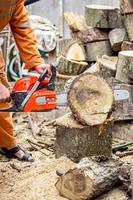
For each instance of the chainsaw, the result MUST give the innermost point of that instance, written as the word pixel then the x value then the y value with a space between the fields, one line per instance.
pixel 34 93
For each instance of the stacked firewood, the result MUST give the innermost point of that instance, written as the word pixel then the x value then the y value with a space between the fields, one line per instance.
pixel 100 99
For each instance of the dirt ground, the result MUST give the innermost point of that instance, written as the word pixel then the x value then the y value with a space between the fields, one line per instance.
pixel 35 181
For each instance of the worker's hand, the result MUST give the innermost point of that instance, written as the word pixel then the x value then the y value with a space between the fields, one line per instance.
pixel 4 94
pixel 40 68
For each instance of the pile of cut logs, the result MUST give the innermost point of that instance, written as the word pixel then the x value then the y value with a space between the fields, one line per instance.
pixel 99 60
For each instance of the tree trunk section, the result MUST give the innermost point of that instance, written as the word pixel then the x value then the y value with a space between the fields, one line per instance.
pixel 63 45
pixel 123 105
pixel 124 71
pixel 90 104
pixel 61 80
pixel 70 67
pixel 90 35
pixel 76 52
pixel 107 66
pixel 89 179
pixel 116 37
pixel 129 25
pixel 101 16
pixel 126 46
pixel 77 141
pixel 94 50
pixel 126 6
pixel 75 21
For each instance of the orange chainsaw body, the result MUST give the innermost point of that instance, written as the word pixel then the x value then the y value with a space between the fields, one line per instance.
pixel 41 100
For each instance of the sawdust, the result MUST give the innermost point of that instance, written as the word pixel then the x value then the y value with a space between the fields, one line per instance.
pixel 36 181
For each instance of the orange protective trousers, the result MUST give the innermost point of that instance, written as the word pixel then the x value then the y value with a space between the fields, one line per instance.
pixel 6 125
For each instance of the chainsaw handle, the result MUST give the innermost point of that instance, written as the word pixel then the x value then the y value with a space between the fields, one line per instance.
pixel 43 75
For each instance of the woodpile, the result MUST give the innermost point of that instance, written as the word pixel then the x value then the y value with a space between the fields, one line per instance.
pixel 100 61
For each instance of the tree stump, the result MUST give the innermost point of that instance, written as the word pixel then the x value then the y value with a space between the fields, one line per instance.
pixel 126 6
pixel 128 19
pixel 77 141
pixel 117 36
pixel 90 99
pixel 89 179
pixel 90 35
pixel 98 49
pixel 126 46
pixel 101 16
pixel 124 71
pixel 70 67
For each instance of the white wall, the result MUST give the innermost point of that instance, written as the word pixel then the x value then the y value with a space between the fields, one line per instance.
pixel 50 8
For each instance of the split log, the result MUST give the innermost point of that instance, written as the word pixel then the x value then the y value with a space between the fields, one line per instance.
pixel 70 67
pixel 75 21
pixel 128 20
pixel 126 46
pixel 76 51
pixel 126 6
pixel 124 71
pixel 63 45
pixel 77 141
pixel 89 179
pixel 98 49
pixel 123 105
pixel 101 16
pixel 116 37
pixel 90 35
pixel 107 66
pixel 90 99
pixel 61 80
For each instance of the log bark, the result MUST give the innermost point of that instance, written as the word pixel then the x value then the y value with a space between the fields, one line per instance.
pixel 63 45
pixel 70 67
pixel 90 35
pixel 124 71
pixel 126 6
pixel 98 49
pixel 89 179
pixel 128 20
pixel 90 104
pixel 101 16
pixel 76 52
pixel 75 21
pixel 61 80
pixel 107 66
pixel 123 105
pixel 126 46
pixel 116 37
pixel 77 141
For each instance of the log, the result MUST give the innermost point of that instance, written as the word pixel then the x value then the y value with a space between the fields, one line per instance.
pixel 128 20
pixel 123 105
pixel 94 50
pixel 126 6
pixel 90 35
pixel 90 104
pixel 126 46
pixel 61 80
pixel 76 52
pixel 116 37
pixel 101 16
pixel 70 67
pixel 75 21
pixel 107 66
pixel 89 179
pixel 63 45
pixel 124 70
pixel 77 141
